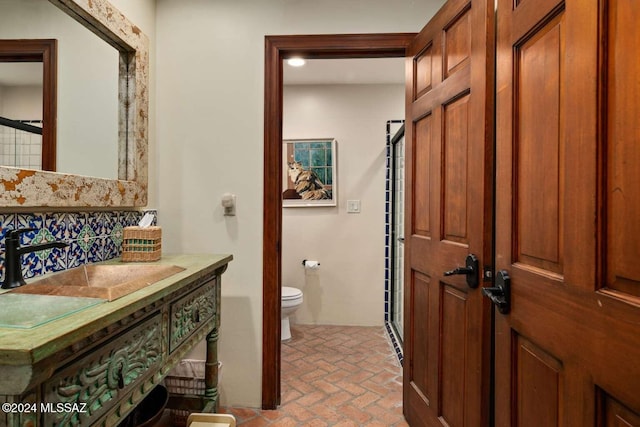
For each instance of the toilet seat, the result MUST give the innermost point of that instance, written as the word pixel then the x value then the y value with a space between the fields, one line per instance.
pixel 289 294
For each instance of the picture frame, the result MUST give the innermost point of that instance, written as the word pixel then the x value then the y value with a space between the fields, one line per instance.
pixel 309 172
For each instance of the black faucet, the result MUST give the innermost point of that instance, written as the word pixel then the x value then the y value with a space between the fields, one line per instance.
pixel 12 264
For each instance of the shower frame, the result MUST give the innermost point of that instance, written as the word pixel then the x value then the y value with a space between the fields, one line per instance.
pixel 393 238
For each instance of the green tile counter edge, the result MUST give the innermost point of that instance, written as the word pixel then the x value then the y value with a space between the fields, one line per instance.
pixel 30 346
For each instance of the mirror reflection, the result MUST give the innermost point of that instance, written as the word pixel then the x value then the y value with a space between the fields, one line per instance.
pixel 21 105
pixel 87 92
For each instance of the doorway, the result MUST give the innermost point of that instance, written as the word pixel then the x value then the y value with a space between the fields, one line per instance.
pixel 336 129
pixel 278 48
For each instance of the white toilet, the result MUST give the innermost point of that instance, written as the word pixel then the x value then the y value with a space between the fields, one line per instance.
pixel 291 300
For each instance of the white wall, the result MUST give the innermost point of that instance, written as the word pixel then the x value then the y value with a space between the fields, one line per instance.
pixel 210 98
pixel 21 102
pixel 348 289
pixel 18 148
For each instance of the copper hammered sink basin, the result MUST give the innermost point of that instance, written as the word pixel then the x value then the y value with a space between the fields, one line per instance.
pixel 108 282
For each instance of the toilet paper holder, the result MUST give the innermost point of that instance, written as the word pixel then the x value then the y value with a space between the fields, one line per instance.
pixel 304 263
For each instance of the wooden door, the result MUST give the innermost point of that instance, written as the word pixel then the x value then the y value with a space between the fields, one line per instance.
pixel 568 213
pixel 449 154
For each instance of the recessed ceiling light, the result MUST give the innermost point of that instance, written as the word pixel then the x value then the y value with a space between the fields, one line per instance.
pixel 296 62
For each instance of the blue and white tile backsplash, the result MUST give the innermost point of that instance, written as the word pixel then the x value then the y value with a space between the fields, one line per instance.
pixel 92 237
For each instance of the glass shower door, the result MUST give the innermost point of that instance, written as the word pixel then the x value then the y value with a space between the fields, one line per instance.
pixel 397 224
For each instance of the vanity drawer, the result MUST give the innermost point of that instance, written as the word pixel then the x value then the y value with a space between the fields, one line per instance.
pixel 96 382
pixel 190 312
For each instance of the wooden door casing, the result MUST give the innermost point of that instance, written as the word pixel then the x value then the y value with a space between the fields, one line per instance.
pixel 277 48
pixel 449 151
pixel 567 206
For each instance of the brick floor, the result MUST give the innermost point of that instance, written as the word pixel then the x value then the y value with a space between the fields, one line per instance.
pixel 334 376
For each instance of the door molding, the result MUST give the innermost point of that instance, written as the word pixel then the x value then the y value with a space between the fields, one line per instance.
pixel 277 48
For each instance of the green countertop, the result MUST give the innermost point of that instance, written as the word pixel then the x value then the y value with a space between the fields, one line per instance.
pixel 28 311
pixel 81 317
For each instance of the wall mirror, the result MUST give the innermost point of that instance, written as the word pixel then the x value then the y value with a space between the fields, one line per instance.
pixel 102 106
pixel 84 73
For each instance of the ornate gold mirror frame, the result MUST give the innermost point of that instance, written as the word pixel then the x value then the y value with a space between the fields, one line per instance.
pixel 31 188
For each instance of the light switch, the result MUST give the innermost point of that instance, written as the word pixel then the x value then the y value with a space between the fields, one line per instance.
pixel 353 206
pixel 229 204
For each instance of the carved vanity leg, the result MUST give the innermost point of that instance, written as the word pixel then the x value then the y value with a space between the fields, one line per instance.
pixel 211 363
pixel 211 372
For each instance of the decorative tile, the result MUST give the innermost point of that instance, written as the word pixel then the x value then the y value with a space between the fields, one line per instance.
pixel 76 256
pixel 130 218
pixel 111 248
pixel 95 221
pixel 55 224
pixel 87 248
pixel 96 250
pixel 86 236
pixel 34 221
pixel 75 222
pixel 109 221
pixel 7 222
pixel 43 235
pixel 117 234
pixel 31 265
pixel 54 260
pixel 92 237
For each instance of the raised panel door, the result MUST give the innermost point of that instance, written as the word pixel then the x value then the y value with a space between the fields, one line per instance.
pixel 567 209
pixel 449 150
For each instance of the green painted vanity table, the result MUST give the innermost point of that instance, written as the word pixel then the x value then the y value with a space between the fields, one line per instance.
pixel 86 357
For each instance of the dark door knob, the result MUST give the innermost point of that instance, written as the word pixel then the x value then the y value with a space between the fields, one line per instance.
pixel 500 295
pixel 471 270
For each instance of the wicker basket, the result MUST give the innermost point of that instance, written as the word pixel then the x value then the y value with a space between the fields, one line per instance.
pixel 187 378
pixel 183 385
pixel 141 244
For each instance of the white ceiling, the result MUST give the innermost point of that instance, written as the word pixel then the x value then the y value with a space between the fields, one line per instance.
pixel 346 71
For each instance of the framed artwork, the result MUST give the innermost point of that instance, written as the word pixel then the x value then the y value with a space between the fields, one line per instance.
pixel 309 169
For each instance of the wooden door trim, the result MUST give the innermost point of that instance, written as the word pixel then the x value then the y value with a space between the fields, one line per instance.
pixel 277 48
